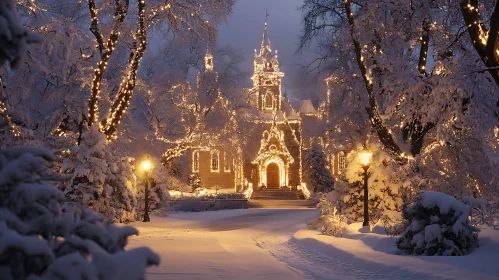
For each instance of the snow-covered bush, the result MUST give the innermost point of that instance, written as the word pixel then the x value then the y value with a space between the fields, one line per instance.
pixel 329 221
pixel 195 182
pixel 101 180
pixel 42 238
pixel 437 224
pixel 316 174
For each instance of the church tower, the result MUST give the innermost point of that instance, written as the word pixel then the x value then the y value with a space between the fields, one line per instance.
pixel 208 89
pixel 267 77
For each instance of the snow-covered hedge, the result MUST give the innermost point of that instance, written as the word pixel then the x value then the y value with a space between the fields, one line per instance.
pixel 40 238
pixel 437 224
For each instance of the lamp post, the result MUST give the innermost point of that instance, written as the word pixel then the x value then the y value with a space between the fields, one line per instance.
pixel 365 160
pixel 147 166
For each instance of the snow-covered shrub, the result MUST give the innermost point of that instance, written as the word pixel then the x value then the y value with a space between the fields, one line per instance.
pixel 437 224
pixel 480 214
pixel 42 238
pixel 329 221
pixel 122 180
pixel 195 182
pixel 101 180
pixel 316 174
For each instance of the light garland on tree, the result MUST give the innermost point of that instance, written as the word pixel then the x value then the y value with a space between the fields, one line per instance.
pixel 105 50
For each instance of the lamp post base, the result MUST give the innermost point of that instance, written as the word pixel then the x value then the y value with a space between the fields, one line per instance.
pixel 146 219
pixel 365 229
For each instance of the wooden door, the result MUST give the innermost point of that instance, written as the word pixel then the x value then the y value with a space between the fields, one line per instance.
pixel 272 176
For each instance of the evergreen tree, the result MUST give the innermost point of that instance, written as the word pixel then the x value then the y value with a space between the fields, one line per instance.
pixel 316 174
pixel 437 224
pixel 42 238
pixel 101 180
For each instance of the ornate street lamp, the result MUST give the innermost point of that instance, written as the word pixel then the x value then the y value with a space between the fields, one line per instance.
pixel 365 160
pixel 146 166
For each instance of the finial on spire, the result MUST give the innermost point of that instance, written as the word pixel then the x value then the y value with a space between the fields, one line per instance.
pixel 266 16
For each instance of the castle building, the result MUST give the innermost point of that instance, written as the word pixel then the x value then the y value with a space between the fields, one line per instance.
pixel 273 154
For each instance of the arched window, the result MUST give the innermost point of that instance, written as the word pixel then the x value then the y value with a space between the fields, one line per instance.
pixel 215 161
pixel 342 162
pixel 195 161
pixel 227 161
pixel 268 101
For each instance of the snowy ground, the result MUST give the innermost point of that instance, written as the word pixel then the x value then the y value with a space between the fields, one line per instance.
pixel 275 244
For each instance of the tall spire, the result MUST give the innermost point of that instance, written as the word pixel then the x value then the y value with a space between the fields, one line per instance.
pixel 265 50
pixel 208 58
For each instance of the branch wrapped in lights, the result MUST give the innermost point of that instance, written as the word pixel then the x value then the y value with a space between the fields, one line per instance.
pixel 109 126
pixel 486 43
pixel 425 38
pixel 383 132
pixel 105 51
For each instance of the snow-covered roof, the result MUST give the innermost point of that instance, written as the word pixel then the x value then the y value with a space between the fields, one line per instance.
pixel 288 110
pixel 307 107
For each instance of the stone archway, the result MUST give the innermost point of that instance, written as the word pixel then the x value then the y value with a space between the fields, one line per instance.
pixel 273 181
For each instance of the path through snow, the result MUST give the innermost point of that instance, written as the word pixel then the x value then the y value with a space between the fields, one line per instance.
pixel 274 244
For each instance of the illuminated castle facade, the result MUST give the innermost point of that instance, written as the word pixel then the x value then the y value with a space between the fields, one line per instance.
pixel 279 138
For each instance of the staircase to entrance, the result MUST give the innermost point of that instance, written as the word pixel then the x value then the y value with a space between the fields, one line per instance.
pixel 278 198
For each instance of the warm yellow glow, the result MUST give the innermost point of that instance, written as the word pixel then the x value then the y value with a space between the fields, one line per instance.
pixel 365 157
pixel 146 165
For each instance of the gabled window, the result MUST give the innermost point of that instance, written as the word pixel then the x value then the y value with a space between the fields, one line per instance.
pixel 195 161
pixel 227 161
pixel 342 162
pixel 268 101
pixel 215 161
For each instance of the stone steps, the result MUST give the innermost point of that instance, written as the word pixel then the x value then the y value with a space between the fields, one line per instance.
pixel 281 204
pixel 277 194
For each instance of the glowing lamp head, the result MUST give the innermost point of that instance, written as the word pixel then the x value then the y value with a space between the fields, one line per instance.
pixel 146 165
pixel 365 157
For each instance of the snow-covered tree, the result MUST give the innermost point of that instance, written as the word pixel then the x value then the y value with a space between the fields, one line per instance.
pixel 158 188
pixel 43 239
pixel 386 178
pixel 437 224
pixel 417 80
pixel 316 174
pixel 182 17
pixel 101 180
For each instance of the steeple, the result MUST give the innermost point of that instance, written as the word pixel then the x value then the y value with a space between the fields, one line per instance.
pixel 208 58
pixel 267 76
pixel 265 48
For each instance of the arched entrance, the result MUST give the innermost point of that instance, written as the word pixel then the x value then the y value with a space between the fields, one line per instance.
pixel 273 176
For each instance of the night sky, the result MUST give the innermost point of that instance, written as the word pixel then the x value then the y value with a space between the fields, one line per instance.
pixel 244 30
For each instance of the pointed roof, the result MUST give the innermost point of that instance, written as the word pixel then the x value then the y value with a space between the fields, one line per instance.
pixel 265 41
pixel 307 108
